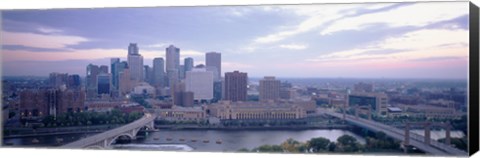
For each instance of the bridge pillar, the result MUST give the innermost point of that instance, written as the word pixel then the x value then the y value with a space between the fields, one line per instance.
pixel 369 112
pixel 356 112
pixel 406 142
pixel 427 133
pixel 447 134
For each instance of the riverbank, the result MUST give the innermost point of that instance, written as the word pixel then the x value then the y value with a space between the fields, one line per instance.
pixel 29 132
pixel 304 127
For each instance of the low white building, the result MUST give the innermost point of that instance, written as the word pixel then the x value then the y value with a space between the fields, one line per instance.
pixel 144 88
pixel 200 82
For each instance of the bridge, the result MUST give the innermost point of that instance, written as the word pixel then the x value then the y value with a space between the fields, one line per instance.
pixel 106 139
pixel 432 147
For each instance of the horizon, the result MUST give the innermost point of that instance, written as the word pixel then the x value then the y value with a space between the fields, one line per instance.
pixel 301 41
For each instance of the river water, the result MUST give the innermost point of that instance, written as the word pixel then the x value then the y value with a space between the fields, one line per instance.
pixel 209 140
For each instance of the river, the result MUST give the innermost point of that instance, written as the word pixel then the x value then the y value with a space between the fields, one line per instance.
pixel 206 140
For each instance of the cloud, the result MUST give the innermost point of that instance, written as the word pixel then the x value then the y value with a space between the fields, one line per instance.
pixel 294 46
pixel 158 45
pixel 409 46
pixel 49 30
pixel 417 15
pixel 40 40
pixel 231 66
pixel 33 49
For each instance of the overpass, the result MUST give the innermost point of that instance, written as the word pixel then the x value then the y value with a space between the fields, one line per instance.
pixel 433 147
pixel 105 139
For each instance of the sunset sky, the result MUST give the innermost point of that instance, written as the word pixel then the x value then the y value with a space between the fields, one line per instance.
pixel 367 40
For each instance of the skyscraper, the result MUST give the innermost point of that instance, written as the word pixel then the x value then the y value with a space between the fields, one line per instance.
pixel 172 64
pixel 73 81
pixel 148 74
pixel 269 89
pixel 103 69
pixel 114 69
pixel 159 72
pixel 236 86
pixel 188 62
pixel 135 62
pixel 181 71
pixel 103 83
pixel 91 80
pixel 214 59
pixel 58 79
pixel 200 82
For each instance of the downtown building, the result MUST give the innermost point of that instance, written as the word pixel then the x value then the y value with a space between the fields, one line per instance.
pixel 200 82
pixel 135 63
pixel 38 103
pixel 235 86
pixel 376 102
pixel 159 72
pixel 227 110
pixel 269 89
pixel 172 65
pixel 213 62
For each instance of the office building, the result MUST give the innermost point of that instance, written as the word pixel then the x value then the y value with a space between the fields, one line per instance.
pixel 91 80
pixel 58 80
pixel 158 72
pixel 38 103
pixel 188 63
pixel 73 81
pixel 376 101
pixel 135 63
pixel 269 89
pixel 104 84
pixel 148 74
pixel 200 82
pixel 213 61
pixel 236 86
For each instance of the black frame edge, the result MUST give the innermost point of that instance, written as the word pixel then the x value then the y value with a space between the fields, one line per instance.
pixel 473 99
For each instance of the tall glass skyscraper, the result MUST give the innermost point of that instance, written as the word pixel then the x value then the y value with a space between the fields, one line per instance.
pixel 135 62
pixel 159 72
pixel 214 62
pixel 173 64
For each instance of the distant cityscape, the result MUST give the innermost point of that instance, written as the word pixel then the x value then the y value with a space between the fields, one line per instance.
pixel 272 91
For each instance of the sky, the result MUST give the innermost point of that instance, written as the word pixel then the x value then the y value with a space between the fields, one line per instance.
pixel 365 40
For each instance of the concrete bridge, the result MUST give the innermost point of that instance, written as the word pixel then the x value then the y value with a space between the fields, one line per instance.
pixel 106 139
pixel 431 146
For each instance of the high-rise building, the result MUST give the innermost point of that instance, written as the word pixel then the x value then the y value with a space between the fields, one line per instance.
pixel 125 85
pixel 172 65
pixel 104 83
pixel 114 69
pixel 148 74
pixel 181 72
pixel 217 90
pixel 188 62
pixel 200 82
pixel 173 57
pixel 58 79
pixel 91 80
pixel 214 59
pixel 158 72
pixel 269 89
pixel 236 86
pixel 135 63
pixel 73 81
pixel 103 69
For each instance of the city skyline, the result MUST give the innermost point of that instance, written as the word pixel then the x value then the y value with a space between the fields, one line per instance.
pixel 316 39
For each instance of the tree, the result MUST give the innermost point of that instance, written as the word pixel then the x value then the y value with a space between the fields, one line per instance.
pixel 348 143
pixel 268 148
pixel 318 144
pixel 290 145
